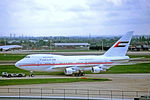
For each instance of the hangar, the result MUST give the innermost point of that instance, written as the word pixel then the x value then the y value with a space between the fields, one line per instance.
pixel 81 46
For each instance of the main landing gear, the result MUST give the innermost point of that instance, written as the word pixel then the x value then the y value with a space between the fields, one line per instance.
pixel 79 73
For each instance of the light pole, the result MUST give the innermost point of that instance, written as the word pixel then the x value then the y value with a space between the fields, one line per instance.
pixel 102 46
pixel 5 40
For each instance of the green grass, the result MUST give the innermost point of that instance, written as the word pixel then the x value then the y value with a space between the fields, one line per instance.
pixel 135 68
pixel 125 69
pixel 14 57
pixel 45 81
pixel 136 56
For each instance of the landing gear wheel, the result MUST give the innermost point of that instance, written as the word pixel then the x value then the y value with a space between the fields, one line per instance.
pixel 76 74
pixel 82 74
pixel 20 75
pixel 31 74
pixel 79 74
pixel 9 76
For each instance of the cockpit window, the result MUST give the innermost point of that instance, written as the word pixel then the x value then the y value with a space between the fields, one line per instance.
pixel 27 57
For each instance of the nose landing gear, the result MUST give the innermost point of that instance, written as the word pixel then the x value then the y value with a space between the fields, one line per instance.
pixel 31 74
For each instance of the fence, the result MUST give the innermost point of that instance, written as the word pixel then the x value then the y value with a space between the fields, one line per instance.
pixel 69 93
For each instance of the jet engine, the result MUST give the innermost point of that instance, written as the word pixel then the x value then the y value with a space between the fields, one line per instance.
pixel 68 71
pixel 97 69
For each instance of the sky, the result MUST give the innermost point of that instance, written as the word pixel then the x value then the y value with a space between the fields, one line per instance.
pixel 74 17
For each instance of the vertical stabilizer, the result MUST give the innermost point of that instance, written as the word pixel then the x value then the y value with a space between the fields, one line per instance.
pixel 121 46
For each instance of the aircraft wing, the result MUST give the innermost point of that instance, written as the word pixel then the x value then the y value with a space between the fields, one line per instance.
pixel 103 67
pixel 76 67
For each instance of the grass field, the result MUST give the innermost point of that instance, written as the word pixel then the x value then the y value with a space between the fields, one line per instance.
pixel 136 56
pixel 44 81
pixel 16 57
pixel 136 68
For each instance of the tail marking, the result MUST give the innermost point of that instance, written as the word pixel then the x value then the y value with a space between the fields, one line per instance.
pixel 121 44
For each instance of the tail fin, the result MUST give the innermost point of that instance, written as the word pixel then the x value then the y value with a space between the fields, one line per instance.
pixel 121 46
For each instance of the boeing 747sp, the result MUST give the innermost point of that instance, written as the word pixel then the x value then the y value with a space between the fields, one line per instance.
pixel 77 64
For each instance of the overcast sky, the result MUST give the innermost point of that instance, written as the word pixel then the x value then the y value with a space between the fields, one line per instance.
pixel 74 17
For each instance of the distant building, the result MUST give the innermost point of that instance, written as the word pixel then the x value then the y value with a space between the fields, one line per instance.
pixel 33 41
pixel 45 40
pixel 80 46
pixel 10 47
pixel 45 47
pixel 13 41
pixel 140 48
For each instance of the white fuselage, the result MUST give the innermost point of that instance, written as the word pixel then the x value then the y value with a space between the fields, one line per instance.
pixel 49 62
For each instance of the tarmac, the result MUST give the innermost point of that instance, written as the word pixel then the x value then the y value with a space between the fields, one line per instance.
pixel 130 84
pixel 125 82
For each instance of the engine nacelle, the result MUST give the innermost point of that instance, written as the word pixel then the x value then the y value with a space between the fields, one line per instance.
pixel 99 68
pixel 68 71
pixel 96 69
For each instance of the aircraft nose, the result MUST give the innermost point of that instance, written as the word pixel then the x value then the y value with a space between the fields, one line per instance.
pixel 17 64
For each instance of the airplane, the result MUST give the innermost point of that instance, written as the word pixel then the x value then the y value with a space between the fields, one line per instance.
pixel 75 65
pixel 10 47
